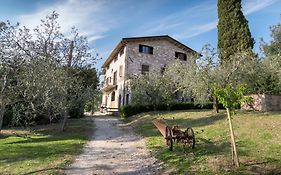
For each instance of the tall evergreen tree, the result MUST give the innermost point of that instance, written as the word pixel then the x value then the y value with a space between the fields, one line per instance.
pixel 234 35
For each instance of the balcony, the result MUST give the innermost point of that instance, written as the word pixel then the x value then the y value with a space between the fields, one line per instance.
pixel 108 87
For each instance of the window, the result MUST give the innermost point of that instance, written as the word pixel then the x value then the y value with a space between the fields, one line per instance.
pixel 115 59
pixel 119 101
pixel 144 69
pixel 127 99
pixel 145 49
pixel 181 56
pixel 115 78
pixel 121 71
pixel 113 96
pixel 121 52
pixel 107 81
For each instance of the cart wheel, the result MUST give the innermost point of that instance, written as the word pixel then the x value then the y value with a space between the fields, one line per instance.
pixel 191 137
pixel 169 138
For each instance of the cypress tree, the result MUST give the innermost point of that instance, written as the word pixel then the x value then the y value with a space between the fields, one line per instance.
pixel 234 35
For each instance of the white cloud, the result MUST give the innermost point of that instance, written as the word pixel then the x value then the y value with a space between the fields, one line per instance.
pixel 196 30
pixel 252 6
pixel 86 15
pixel 197 20
pixel 185 23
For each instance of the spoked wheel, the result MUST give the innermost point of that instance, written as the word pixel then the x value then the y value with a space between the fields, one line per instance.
pixel 169 138
pixel 191 137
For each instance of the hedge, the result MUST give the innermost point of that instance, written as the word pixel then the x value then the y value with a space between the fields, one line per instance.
pixel 130 110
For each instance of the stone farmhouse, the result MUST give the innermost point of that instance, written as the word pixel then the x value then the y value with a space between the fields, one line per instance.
pixel 135 56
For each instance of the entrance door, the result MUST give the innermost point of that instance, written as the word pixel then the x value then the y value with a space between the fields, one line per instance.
pixel 127 99
pixel 119 101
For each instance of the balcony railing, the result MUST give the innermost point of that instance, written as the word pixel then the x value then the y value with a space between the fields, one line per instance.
pixel 108 86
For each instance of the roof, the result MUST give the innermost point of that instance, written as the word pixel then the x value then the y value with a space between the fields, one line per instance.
pixel 124 41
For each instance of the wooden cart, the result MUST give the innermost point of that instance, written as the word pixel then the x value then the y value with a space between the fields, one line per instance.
pixel 173 134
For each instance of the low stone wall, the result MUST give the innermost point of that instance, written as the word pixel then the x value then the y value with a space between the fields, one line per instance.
pixel 264 102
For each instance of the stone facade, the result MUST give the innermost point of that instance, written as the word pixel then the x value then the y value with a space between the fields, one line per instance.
pixel 128 55
pixel 163 54
pixel 110 86
pixel 264 102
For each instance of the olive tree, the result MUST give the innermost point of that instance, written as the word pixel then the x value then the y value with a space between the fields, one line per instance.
pixel 12 49
pixel 151 89
pixel 272 61
pixel 37 77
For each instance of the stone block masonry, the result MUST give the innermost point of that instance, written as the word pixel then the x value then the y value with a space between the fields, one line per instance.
pixel 264 102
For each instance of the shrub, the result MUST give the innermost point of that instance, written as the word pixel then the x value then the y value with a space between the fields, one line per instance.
pixel 130 110
pixel 76 111
pixel 8 116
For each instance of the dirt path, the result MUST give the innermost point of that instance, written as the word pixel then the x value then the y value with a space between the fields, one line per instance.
pixel 114 149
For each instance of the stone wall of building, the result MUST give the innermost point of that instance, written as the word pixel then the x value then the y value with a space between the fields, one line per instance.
pixel 163 54
pixel 132 60
pixel 264 102
pixel 114 66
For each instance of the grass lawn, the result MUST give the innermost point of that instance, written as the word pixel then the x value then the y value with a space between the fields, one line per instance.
pixel 42 149
pixel 258 137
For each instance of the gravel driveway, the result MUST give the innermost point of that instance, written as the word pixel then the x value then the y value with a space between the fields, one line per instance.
pixel 114 149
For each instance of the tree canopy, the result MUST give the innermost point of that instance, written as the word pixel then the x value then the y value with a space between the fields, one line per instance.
pixel 234 35
pixel 44 74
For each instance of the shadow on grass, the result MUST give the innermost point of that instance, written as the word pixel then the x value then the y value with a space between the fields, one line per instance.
pixel 206 147
pixel 44 143
pixel 186 162
pixel 145 126
pixel 50 138
pixel 3 136
pixel 262 167
pixel 259 113
pixel 211 148
pixel 153 113
pixel 39 152
pixel 198 122
pixel 40 171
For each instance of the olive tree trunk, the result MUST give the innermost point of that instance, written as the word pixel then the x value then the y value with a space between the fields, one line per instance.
pixel 233 144
pixel 2 95
pixel 2 116
pixel 215 105
pixel 64 114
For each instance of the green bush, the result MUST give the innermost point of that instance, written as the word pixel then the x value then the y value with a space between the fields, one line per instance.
pixel 8 116
pixel 130 110
pixel 76 111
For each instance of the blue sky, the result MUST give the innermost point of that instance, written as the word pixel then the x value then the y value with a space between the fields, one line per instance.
pixel 105 22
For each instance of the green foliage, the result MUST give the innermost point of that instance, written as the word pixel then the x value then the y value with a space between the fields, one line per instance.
pixel 44 74
pixel 233 31
pixel 272 62
pixel 212 151
pixel 87 81
pixel 94 101
pixel 274 47
pixel 44 150
pixel 231 97
pixel 152 89
pixel 130 110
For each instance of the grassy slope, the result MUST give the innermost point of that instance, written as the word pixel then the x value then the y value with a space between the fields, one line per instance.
pixel 258 137
pixel 42 151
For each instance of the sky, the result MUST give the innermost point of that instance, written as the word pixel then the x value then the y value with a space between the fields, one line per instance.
pixel 106 22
